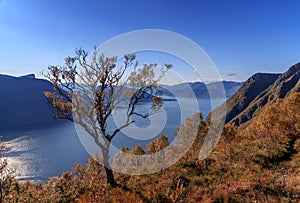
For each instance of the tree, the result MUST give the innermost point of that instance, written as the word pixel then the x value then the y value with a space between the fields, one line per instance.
pixel 3 165
pixel 6 179
pixel 89 90
pixel 158 144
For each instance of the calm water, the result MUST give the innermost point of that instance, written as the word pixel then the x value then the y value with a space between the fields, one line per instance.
pixel 45 151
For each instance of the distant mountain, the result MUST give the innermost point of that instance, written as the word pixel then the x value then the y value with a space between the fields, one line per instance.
pixel 22 101
pixel 257 91
pixel 201 90
pixel 29 76
pixel 230 87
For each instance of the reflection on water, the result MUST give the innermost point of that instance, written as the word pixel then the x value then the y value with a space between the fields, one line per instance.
pixel 45 151
pixel 40 153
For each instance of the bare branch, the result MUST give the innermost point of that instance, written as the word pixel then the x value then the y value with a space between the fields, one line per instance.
pixel 92 87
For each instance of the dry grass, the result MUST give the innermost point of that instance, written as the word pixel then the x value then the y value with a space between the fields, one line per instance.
pixel 259 163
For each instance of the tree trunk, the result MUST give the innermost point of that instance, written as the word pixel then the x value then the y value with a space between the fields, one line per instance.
pixel 1 192
pixel 110 177
pixel 109 173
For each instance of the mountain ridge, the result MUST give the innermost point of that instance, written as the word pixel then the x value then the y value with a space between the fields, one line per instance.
pixel 23 102
pixel 257 91
pixel 200 89
pixel 29 108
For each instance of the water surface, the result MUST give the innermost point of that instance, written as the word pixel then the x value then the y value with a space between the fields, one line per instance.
pixel 39 152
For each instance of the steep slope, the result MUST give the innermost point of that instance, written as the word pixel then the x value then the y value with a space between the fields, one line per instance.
pixel 22 102
pixel 246 94
pixel 286 84
pixel 257 91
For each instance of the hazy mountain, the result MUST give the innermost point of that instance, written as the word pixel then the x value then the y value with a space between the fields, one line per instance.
pixel 22 101
pixel 29 76
pixel 201 90
pixel 257 91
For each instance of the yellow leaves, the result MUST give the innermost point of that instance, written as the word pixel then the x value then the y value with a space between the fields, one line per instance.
pixel 147 76
pixel 156 103
pixel 50 95
pixel 157 100
pixel 62 105
pixel 137 150
pixel 158 144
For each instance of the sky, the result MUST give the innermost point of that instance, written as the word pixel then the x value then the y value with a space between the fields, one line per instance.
pixel 241 37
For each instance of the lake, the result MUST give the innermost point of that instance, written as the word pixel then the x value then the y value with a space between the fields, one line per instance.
pixel 36 153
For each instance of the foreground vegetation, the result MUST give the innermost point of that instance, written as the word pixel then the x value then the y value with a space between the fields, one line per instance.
pixel 259 162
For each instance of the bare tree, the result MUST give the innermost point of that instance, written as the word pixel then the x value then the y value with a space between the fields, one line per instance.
pixel 89 89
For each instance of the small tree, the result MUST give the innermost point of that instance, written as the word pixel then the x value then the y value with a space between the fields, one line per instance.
pixel 3 165
pixel 158 144
pixel 92 90
pixel 6 178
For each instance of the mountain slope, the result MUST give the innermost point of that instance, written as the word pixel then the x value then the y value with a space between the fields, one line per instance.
pixel 283 86
pixel 244 96
pixel 22 102
pixel 258 90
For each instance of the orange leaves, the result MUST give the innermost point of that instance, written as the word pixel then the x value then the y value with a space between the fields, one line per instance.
pixel 274 129
pixel 156 103
pixel 58 102
pixel 137 150
pixel 50 95
pixel 148 75
pixel 157 100
pixel 63 106
pixel 158 144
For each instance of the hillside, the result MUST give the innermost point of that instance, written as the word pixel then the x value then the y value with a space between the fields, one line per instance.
pixel 285 84
pixel 22 102
pixel 259 163
pixel 257 91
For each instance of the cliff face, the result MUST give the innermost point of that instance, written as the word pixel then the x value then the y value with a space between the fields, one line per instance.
pixel 257 91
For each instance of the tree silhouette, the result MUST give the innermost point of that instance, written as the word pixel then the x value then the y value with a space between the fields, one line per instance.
pixel 88 90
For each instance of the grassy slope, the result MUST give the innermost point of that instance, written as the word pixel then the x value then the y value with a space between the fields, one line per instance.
pixel 260 162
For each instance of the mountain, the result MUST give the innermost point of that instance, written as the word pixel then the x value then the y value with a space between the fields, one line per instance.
pixel 201 89
pixel 22 101
pixel 230 87
pixel 257 91
pixel 29 76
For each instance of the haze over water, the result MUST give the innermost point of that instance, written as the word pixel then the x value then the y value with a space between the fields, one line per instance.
pixel 40 152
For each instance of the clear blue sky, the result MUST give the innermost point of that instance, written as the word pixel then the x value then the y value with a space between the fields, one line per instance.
pixel 241 37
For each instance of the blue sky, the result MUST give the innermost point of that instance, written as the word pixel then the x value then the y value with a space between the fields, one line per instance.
pixel 241 37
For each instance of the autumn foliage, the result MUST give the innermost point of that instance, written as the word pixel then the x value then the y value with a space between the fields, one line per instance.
pixel 259 162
